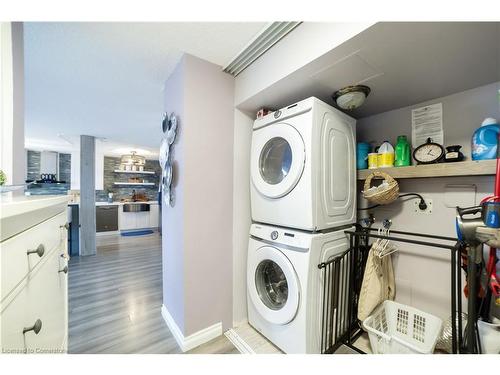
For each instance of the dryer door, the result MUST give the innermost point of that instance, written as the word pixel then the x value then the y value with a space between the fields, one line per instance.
pixel 277 159
pixel 273 286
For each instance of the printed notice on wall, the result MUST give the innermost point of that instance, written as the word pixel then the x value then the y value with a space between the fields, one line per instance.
pixel 427 122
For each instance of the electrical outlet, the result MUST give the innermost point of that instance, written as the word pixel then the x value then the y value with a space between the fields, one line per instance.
pixel 427 211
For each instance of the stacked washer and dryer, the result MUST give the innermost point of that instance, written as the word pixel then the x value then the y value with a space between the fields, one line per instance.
pixel 303 197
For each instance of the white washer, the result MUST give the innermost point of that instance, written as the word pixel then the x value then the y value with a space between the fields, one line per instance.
pixel 302 166
pixel 284 284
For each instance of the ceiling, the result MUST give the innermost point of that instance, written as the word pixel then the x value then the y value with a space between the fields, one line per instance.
pixel 106 79
pixel 403 63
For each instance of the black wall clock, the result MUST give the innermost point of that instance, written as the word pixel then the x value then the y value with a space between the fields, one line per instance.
pixel 428 153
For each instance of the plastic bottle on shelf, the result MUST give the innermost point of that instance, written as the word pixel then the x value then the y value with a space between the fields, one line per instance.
pixel 485 140
pixel 362 151
pixel 386 155
pixel 403 152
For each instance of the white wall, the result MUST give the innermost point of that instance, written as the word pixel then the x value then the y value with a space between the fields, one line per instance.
pixel 423 275
pixel 307 42
pixel 241 212
pixel 49 162
pixel 12 155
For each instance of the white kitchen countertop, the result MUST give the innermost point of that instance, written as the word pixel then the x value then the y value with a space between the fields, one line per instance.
pixel 21 212
pixel 18 205
pixel 116 203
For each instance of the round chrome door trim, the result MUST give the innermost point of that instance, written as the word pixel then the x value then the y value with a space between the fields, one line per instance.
pixel 288 311
pixel 290 176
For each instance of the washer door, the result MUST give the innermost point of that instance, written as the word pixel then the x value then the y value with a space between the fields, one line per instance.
pixel 273 285
pixel 277 161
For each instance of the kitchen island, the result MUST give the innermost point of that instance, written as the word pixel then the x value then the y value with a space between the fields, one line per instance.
pixel 114 217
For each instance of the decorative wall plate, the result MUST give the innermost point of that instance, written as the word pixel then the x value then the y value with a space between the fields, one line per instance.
pixel 164 123
pixel 165 188
pixel 169 128
pixel 164 152
pixel 166 181
pixel 172 128
pixel 168 174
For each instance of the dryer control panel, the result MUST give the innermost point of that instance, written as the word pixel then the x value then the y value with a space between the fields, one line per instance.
pixel 282 236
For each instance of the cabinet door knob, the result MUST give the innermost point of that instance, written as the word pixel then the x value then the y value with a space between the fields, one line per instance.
pixel 65 226
pixel 65 269
pixel 40 250
pixel 35 328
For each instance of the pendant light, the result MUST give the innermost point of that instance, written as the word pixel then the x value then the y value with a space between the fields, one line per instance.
pixel 133 159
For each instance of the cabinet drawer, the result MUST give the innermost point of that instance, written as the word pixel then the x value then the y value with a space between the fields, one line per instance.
pixel 44 297
pixel 15 261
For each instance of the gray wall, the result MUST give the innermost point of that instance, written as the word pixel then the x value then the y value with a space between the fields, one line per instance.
pixel 87 196
pixel 463 112
pixel 173 222
pixel 198 230
pixel 65 168
pixel 422 274
pixel 208 130
pixel 33 165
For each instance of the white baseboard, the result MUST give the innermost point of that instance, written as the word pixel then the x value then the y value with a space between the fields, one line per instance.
pixel 194 340
pixel 238 342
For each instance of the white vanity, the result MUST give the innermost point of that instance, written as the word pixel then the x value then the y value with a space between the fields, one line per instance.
pixel 34 280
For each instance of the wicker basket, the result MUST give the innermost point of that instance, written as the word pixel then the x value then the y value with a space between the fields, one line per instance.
pixel 386 196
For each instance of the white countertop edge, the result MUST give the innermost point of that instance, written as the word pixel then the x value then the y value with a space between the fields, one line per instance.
pixel 115 203
pixel 16 205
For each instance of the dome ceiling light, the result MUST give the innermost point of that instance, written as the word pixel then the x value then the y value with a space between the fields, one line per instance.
pixel 351 97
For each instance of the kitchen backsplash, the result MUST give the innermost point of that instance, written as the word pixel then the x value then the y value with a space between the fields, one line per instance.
pixel 33 174
pixel 65 168
pixel 122 192
pixel 33 166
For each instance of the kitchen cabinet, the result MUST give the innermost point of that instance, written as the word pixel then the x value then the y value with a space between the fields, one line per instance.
pixel 154 216
pixel 34 294
pixel 140 219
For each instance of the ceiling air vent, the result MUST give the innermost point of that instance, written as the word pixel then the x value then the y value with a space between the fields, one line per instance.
pixel 271 35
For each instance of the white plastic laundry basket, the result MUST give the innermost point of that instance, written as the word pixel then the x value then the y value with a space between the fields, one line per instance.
pixel 398 328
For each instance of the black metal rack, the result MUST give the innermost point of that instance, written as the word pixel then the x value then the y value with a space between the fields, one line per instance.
pixel 342 277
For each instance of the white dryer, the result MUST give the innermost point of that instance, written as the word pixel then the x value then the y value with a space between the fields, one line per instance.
pixel 303 167
pixel 284 284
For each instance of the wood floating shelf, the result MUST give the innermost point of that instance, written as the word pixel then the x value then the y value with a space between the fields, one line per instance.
pixel 135 183
pixel 135 172
pixel 463 168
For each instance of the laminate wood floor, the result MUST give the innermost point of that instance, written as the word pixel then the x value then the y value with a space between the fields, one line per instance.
pixel 115 299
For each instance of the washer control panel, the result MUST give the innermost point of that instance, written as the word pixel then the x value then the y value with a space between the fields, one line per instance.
pixel 283 236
